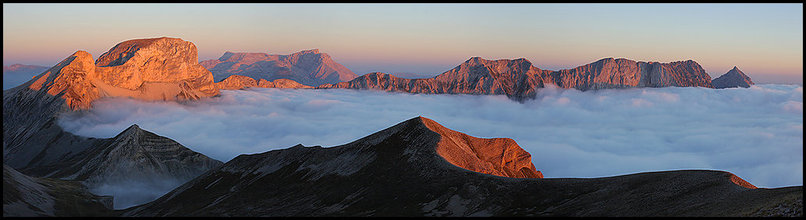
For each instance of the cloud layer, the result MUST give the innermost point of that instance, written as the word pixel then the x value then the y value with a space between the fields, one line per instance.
pixel 755 133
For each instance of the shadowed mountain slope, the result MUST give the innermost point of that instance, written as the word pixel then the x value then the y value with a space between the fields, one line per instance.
pixel 25 196
pixel 410 169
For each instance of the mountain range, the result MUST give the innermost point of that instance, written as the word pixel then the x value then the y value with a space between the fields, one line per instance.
pixel 415 168
pixel 519 80
pixel 308 67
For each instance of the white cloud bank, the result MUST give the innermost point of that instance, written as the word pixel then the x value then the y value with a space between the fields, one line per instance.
pixel 755 133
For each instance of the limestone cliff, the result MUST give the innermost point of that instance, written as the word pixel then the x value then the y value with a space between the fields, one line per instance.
pixel 147 69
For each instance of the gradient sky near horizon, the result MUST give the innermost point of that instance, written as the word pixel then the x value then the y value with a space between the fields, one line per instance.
pixel 763 40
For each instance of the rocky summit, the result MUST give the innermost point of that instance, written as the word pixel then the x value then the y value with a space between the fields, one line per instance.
pixel 147 69
pixel 731 79
pixel 518 79
pixel 420 168
pixel 308 67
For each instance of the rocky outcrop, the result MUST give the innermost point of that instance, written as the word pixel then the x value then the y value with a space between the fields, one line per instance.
pixel 419 168
pixel 518 79
pixel 495 156
pixel 731 79
pixel 146 69
pixel 17 74
pixel 308 67
pixel 235 82
pixel 25 196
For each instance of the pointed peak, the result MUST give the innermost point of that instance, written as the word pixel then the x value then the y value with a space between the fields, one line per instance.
pixel 133 127
pixel 735 70
pixel 133 130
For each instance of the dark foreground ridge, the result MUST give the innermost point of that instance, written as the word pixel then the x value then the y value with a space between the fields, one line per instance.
pixel 401 171
pixel 30 196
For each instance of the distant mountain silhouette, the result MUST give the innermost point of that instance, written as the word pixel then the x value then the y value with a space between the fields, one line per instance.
pixel 308 67
pixel 17 74
pixel 733 78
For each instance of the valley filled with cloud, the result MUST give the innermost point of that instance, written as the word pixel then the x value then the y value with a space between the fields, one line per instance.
pixel 755 133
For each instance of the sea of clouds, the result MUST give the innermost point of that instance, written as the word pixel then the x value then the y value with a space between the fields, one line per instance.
pixel 755 133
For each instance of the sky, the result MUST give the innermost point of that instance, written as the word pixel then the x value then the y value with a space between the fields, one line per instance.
pixel 764 40
pixel 755 133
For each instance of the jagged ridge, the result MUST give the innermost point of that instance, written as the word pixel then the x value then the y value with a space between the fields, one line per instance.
pixel 518 79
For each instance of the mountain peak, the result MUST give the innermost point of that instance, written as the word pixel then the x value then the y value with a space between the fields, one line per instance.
pixel 133 127
pixel 147 69
pixel 733 78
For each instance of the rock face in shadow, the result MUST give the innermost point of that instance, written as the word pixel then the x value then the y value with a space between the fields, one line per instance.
pixel 518 79
pixel 25 196
pixel 308 67
pixel 409 170
pixel 133 154
pixel 136 159
pixel 733 78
